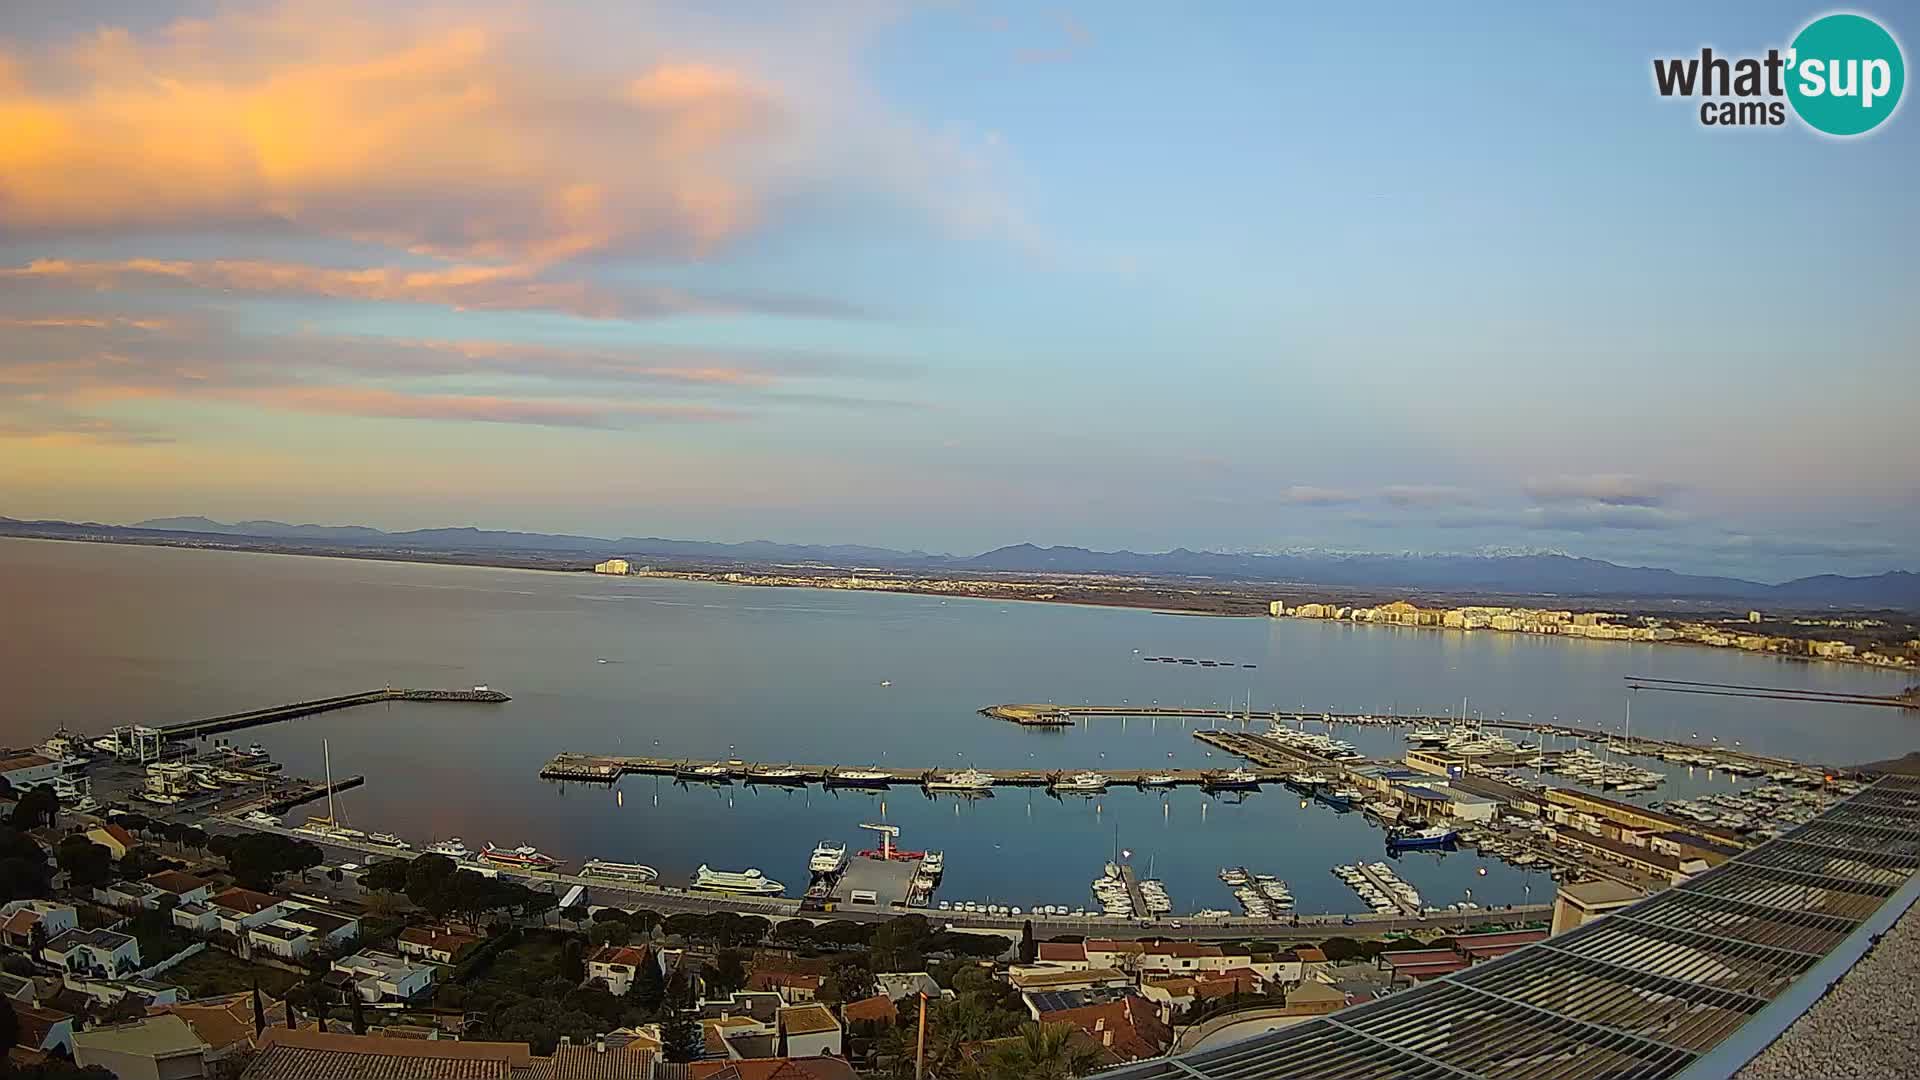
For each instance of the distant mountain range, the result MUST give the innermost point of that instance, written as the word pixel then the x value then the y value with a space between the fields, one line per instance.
pixel 1504 574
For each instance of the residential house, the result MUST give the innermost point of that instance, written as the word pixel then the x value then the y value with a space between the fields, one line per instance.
pixel 737 1037
pixel 1035 980
pixel 186 887
pixel 235 911
pixel 809 1031
pixel 225 1024
pixel 617 965
pixel 160 1047
pixel 27 924
pixel 1126 1030
pixel 773 1068
pixel 307 1054
pixel 379 976
pixel 794 987
pixel 905 984
pixel 878 1010
pixel 42 1029
pixel 129 896
pixel 23 771
pixel 301 930
pixel 116 840
pixel 103 952
pixel 17 988
pixel 440 944
pixel 1062 953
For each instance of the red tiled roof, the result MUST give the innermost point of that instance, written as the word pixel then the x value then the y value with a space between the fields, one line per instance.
pixel 1310 954
pixel 619 954
pixel 1130 1028
pixel 1496 944
pixel 877 1007
pixel 1062 950
pixel 812 1068
pixel 1185 949
pixel 773 980
pixel 35 1023
pixel 120 835
pixel 1416 957
pixel 245 900
pixel 174 881
pixel 21 922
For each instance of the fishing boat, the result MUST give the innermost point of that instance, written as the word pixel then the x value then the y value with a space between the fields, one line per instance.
pixel 387 840
pixel 747 882
pixel 1239 779
pixel 519 858
pixel 964 780
pixel 636 873
pixel 1086 782
pixel 1159 780
pixel 861 778
pixel 1433 836
pixel 830 857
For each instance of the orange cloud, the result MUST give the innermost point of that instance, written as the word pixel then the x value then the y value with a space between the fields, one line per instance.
pixel 447 137
pixel 393 404
pixel 463 287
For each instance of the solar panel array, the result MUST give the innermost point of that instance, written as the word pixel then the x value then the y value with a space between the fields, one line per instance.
pixel 1641 993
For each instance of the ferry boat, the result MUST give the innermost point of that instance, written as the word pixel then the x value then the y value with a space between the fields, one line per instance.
pixel 750 882
pixel 453 848
pixel 964 780
pixel 830 857
pixel 1238 780
pixel 522 857
pixel 859 778
pixel 1433 836
pixel 1159 779
pixel 384 839
pixel 1082 781
pixel 619 871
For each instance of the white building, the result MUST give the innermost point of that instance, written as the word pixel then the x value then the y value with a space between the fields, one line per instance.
pixel 29 770
pixel 98 951
pixel 19 918
pixel 810 1031
pixel 380 976
pixel 617 965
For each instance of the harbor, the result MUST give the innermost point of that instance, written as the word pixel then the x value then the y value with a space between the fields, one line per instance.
pixel 606 769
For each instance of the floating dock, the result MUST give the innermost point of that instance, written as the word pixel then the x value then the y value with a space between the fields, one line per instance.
pixel 605 769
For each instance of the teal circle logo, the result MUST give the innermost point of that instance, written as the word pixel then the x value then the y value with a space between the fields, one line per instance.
pixel 1845 74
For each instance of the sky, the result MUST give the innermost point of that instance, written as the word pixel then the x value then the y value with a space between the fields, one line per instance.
pixel 1247 277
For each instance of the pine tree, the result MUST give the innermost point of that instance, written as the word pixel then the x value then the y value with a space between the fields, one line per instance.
pixel 681 1039
pixel 1029 948
pixel 649 987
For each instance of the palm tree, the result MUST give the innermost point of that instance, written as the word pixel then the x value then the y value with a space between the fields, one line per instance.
pixel 1044 1052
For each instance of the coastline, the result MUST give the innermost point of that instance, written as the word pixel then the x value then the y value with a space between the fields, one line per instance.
pixel 1242 600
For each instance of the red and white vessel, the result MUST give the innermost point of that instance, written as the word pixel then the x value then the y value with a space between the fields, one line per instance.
pixel 519 858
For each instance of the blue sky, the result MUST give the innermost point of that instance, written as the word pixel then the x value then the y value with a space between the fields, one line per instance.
pixel 957 275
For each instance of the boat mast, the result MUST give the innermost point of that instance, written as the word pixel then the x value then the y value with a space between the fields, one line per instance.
pixel 326 751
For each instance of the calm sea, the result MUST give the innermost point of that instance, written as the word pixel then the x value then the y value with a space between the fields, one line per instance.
pixel 97 635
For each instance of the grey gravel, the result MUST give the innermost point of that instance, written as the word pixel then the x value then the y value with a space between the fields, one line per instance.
pixel 1868 1025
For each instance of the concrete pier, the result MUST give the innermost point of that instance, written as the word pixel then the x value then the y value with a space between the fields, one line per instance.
pixel 272 714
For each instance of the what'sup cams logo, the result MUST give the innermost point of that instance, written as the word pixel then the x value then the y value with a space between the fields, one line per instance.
pixel 1842 76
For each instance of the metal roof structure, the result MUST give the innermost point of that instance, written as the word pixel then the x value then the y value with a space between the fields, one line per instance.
pixel 1653 990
